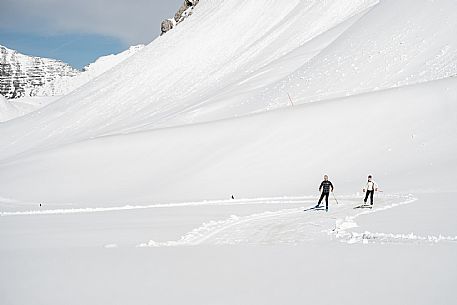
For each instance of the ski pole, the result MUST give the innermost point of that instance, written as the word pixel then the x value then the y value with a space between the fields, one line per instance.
pixel 334 197
pixel 290 99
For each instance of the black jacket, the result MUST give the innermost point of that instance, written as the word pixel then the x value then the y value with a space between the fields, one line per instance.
pixel 325 186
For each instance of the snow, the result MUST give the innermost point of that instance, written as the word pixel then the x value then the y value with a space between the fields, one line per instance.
pixel 120 192
pixel 229 154
pixel 65 85
pixel 14 108
pixel 6 109
pixel 23 75
pixel 53 90
pixel 221 257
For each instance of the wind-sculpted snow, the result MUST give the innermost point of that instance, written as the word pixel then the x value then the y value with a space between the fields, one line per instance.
pixel 171 81
pixel 395 44
pixel 232 58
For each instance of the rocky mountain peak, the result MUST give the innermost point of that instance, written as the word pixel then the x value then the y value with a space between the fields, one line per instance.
pixel 22 75
pixel 183 12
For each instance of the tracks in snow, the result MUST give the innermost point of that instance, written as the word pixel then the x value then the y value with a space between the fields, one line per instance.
pixel 271 200
pixel 293 226
pixel 272 226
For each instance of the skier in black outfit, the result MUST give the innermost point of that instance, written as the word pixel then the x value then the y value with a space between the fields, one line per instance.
pixel 326 187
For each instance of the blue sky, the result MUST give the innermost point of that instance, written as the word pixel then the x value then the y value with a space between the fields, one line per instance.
pixel 76 49
pixel 78 32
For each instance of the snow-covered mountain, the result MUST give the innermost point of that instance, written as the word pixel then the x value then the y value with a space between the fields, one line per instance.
pixel 22 75
pixel 43 93
pixel 193 154
pixel 25 76
pixel 308 50
pixel 66 84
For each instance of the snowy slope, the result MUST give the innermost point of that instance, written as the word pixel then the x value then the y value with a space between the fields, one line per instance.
pixel 14 108
pixel 200 54
pixel 281 151
pixel 244 71
pixel 202 72
pixel 52 89
pixel 5 107
pixel 120 192
pixel 65 85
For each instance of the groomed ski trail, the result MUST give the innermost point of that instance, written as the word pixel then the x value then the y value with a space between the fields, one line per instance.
pixel 228 202
pixel 293 226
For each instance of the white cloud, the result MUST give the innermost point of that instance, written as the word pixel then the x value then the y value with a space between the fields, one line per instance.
pixel 132 21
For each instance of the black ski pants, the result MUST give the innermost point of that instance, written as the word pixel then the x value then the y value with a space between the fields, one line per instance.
pixel 369 193
pixel 326 199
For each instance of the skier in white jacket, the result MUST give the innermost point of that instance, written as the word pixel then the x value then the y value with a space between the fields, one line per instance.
pixel 370 188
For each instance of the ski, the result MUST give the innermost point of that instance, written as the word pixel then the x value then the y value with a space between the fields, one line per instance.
pixel 315 208
pixel 364 206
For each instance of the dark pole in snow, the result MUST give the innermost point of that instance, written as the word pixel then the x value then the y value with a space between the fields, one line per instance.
pixel 334 197
pixel 290 99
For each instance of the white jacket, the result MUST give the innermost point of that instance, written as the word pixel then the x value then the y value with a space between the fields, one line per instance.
pixel 370 186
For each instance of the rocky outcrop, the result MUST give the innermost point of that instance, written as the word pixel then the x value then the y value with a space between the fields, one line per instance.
pixel 167 25
pixel 184 11
pixel 22 75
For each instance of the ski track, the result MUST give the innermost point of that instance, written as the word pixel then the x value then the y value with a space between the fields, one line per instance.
pixel 271 200
pixel 343 233
pixel 293 226
pixel 286 226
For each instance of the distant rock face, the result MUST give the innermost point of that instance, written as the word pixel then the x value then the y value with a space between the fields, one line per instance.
pixel 22 75
pixel 184 11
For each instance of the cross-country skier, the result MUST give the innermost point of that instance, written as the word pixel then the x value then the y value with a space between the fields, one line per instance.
pixel 326 187
pixel 370 188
